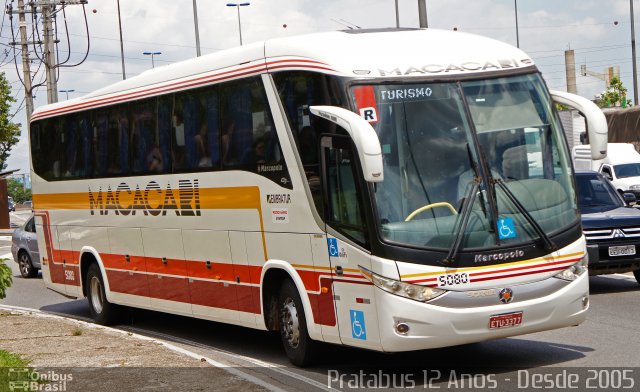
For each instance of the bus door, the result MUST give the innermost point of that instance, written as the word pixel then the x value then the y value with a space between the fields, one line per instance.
pixel 344 215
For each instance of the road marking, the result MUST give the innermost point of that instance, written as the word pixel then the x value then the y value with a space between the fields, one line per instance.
pixel 271 366
pixel 236 372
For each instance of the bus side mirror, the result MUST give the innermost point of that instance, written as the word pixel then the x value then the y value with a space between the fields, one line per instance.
pixel 363 136
pixel 596 122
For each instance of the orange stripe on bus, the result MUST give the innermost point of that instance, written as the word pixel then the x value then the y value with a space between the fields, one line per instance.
pixel 246 197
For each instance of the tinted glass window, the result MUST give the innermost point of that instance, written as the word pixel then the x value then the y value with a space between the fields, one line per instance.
pixel 112 141
pixel 145 151
pixel 298 91
pixel 595 194
pixel 344 200
pixel 248 137
pixel 222 127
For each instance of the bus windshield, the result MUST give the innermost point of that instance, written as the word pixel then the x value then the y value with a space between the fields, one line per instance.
pixel 494 139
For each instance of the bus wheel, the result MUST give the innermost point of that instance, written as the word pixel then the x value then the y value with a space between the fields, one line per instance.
pixel 636 273
pixel 293 326
pixel 102 311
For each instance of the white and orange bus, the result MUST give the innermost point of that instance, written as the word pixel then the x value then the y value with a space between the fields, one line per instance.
pixel 386 189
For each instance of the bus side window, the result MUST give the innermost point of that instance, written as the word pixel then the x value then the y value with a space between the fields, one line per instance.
pixel 343 194
pixel 112 141
pixel 85 152
pixel 297 91
pixel 207 139
pixel 70 150
pixel 178 135
pixel 43 148
pixel 237 138
pixel 164 132
pixel 145 151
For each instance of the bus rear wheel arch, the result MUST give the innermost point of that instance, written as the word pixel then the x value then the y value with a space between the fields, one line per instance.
pixel 102 311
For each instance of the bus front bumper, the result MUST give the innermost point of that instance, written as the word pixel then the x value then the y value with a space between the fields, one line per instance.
pixel 430 326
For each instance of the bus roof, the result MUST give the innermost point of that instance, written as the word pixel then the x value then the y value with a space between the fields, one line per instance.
pixel 381 53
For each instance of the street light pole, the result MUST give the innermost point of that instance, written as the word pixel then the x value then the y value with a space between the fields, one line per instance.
pixel 124 75
pixel 397 16
pixel 67 92
pixel 515 4
pixel 633 56
pixel 238 5
pixel 152 54
pixel 422 14
pixel 195 22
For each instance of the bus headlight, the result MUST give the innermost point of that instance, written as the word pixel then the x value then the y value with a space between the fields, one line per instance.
pixel 402 289
pixel 573 272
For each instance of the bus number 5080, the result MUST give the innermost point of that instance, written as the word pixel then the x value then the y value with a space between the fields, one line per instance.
pixel 453 279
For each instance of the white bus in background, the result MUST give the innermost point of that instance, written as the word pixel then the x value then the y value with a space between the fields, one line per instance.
pixel 366 188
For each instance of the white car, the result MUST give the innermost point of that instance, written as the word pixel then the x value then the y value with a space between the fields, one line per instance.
pixel 625 177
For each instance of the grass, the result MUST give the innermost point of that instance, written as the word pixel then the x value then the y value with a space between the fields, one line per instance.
pixel 13 369
pixel 77 332
pixel 11 360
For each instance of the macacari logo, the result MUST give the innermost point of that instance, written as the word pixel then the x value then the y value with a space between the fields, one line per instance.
pixel 150 200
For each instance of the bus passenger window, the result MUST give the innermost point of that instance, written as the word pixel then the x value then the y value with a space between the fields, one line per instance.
pixel 249 140
pixel 146 156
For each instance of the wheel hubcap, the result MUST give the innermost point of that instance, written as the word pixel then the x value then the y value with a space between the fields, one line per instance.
pixel 25 268
pixel 96 294
pixel 290 323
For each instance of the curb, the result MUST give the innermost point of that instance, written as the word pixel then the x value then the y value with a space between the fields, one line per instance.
pixel 191 354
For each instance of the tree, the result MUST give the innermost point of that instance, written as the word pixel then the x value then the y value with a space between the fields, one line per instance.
pixel 616 92
pixel 5 278
pixel 9 132
pixel 16 190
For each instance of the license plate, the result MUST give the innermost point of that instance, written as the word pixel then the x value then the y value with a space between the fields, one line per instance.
pixel 505 320
pixel 626 250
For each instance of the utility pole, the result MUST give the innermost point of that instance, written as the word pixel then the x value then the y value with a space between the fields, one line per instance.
pixel 28 94
pixel 50 51
pixel 422 14
pixel 48 10
pixel 570 70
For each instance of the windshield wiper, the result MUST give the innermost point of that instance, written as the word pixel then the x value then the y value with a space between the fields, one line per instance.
pixel 465 213
pixel 543 236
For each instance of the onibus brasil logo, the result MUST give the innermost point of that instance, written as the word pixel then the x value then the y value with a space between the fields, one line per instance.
pixel 25 379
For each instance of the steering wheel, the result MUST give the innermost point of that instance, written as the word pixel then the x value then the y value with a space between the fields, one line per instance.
pixel 430 206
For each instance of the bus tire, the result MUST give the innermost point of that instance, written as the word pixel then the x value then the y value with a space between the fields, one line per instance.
pixel 300 348
pixel 102 311
pixel 636 273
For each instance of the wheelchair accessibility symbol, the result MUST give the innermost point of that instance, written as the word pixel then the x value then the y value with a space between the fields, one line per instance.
pixel 506 228
pixel 358 329
pixel 332 243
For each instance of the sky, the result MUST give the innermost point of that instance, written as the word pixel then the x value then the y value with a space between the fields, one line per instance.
pixel 598 30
